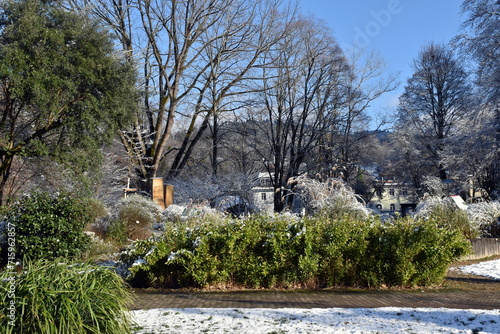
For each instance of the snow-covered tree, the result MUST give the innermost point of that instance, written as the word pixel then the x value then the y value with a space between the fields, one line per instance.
pixel 435 98
pixel 480 41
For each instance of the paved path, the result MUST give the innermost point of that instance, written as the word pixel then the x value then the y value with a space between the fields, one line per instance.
pixel 473 293
pixel 148 299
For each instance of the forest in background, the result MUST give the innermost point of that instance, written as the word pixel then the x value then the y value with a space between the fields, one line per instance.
pixel 227 89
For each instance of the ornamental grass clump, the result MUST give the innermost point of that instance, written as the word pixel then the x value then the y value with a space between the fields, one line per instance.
pixel 54 298
pixel 332 197
pixel 138 214
pixel 486 216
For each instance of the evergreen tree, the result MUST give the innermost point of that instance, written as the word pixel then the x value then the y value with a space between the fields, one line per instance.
pixel 62 87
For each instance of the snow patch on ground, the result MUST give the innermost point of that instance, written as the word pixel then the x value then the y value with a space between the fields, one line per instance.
pixel 333 320
pixel 489 269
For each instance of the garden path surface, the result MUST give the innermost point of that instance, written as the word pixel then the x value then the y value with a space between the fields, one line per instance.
pixel 459 291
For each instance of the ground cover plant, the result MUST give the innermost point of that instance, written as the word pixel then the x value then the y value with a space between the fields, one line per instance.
pixel 285 251
pixel 58 297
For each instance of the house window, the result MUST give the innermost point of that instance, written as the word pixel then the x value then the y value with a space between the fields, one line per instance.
pixel 391 191
pixel 393 207
pixel 263 196
pixel 405 191
pixel 379 207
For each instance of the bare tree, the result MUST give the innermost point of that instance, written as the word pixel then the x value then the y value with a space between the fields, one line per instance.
pixel 365 82
pixel 474 158
pixel 436 97
pixel 196 57
pixel 298 102
pixel 481 40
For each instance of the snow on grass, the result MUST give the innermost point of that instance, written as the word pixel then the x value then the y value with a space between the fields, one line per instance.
pixel 332 320
pixel 489 269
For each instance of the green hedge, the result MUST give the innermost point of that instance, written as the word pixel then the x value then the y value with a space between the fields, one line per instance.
pixel 277 251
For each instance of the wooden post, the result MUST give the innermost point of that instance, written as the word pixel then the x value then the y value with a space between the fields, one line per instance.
pixel 129 190
pixel 169 195
pixel 157 191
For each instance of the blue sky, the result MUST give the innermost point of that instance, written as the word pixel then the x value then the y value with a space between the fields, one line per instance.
pixel 395 29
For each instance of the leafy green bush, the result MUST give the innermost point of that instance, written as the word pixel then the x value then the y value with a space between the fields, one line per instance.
pixel 448 216
pixel 280 251
pixel 117 232
pixel 52 297
pixel 138 214
pixel 418 252
pixel 48 226
pixel 342 245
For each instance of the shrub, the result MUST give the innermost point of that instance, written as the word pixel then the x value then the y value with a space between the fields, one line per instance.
pixel 333 197
pixel 342 245
pixel 99 216
pixel 100 250
pixel 53 297
pixel 117 231
pixel 418 252
pixel 447 215
pixel 485 216
pixel 282 251
pixel 95 208
pixel 138 214
pixel 48 226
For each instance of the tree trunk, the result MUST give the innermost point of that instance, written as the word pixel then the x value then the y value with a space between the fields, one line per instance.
pixel 215 146
pixel 5 168
pixel 278 200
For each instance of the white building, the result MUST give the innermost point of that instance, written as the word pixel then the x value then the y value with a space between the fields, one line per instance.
pixel 394 196
pixel 263 194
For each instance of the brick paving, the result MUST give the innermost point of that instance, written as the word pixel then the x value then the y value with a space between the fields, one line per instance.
pixel 461 292
pixel 148 299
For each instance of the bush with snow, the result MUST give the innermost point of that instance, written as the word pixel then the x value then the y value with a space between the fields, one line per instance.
pixel 447 215
pixel 485 215
pixel 277 251
pixel 333 197
pixel 138 214
pixel 48 226
pixel 176 213
pixel 478 220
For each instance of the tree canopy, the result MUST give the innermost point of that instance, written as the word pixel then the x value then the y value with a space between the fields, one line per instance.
pixel 436 97
pixel 63 88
